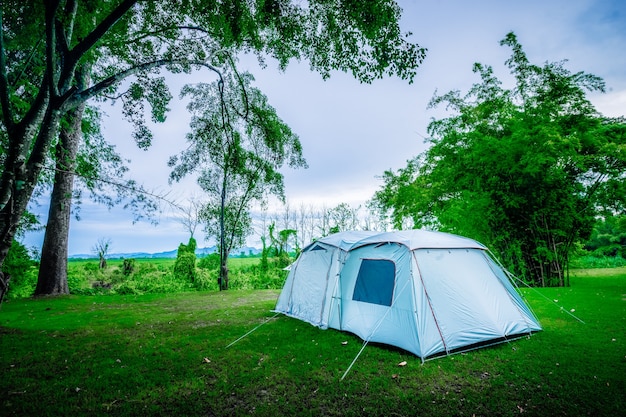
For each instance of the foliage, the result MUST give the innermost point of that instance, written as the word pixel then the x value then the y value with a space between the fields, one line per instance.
pixel 20 267
pixel 185 265
pixel 587 261
pixel 154 276
pixel 210 261
pixel 264 254
pixel 524 171
pixel 237 144
pixel 101 248
pixel 343 217
pixel 278 248
pixel 608 237
pixel 42 44
pixel 128 266
pixel 167 354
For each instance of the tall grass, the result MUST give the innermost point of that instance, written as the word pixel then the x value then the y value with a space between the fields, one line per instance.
pixel 155 276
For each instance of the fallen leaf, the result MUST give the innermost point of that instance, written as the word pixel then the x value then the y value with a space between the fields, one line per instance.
pixel 403 363
pixel 344 343
pixel 207 360
pixel 394 376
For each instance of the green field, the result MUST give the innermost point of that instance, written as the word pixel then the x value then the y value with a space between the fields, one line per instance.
pixel 160 354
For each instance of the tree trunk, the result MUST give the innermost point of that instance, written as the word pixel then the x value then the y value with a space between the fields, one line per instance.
pixel 52 278
pixel 20 177
pixel 223 276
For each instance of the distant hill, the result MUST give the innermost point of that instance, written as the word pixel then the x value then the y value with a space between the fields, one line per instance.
pixel 200 252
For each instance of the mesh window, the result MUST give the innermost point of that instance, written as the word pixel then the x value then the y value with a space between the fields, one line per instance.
pixel 375 282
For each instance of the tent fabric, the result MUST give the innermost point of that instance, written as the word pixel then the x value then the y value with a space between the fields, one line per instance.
pixel 427 292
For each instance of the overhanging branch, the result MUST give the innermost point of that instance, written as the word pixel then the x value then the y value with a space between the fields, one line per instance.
pixel 135 190
pixel 96 89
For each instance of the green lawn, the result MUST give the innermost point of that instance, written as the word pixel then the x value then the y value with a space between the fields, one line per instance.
pixel 167 355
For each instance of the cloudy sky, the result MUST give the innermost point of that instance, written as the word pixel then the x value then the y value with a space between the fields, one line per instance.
pixel 351 132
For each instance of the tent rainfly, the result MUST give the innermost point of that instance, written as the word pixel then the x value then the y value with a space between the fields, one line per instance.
pixel 429 293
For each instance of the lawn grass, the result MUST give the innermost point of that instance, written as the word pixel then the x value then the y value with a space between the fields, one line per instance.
pixel 167 355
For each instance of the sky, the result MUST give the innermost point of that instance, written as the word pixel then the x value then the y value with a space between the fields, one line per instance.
pixel 351 132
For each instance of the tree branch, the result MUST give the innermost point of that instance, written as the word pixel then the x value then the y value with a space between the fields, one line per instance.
pixel 90 40
pixel 136 190
pixel 50 21
pixel 96 89
pixel 7 111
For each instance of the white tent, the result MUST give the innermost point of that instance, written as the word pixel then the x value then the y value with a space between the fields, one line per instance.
pixel 429 293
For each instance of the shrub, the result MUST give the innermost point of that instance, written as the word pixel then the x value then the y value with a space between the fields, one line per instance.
pixel 185 265
pixel 254 276
pixel 19 266
pixel 210 262
pixel 153 282
pixel 206 280
pixel 591 261
pixel 128 266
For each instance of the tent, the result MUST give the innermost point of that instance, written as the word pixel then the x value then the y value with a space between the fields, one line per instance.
pixel 429 293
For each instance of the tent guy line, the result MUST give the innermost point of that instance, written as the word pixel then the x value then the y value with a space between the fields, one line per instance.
pixel 251 331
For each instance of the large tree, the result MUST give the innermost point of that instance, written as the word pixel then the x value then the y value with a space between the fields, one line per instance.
pixel 237 146
pixel 524 170
pixel 133 40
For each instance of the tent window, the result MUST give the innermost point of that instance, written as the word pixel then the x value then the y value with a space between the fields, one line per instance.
pixel 317 247
pixel 375 282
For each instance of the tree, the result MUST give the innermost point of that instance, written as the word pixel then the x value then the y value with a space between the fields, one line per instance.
pixel 190 217
pixel 524 170
pixel 101 248
pixel 608 237
pixel 132 39
pixel 344 217
pixel 52 278
pixel 238 143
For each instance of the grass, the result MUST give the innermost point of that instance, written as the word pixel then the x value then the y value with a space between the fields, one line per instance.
pixel 158 354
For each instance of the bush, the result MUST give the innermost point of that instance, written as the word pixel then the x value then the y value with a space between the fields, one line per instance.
pixel 206 280
pixel 591 261
pixel 20 267
pixel 154 282
pixel 255 277
pixel 128 266
pixel 210 262
pixel 185 265
pixel 161 276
